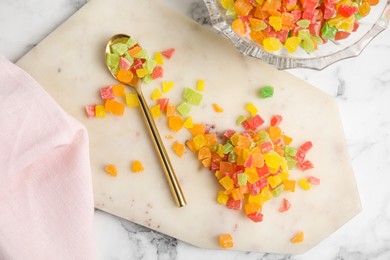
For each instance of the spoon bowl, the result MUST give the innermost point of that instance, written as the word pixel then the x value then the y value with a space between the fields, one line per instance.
pixel 135 83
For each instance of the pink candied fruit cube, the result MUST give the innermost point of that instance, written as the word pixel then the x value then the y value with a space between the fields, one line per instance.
pixel 266 147
pixel 163 102
pixel 306 165
pixel 106 93
pixel 276 120
pixel 255 122
pixel 313 180
pixel 229 133
pixel 124 64
pixel 306 146
pixel 91 111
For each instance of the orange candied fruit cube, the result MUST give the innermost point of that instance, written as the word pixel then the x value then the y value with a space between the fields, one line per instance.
pixel 217 108
pixel 175 123
pixel 178 148
pixel 204 153
pixel 197 129
pixel 226 241
pixel 238 26
pixel 171 110
pixel 134 51
pixel 137 166
pixel 242 7
pixel 114 107
pixel 111 169
pixel 289 185
pixel 298 238
pixel 119 90
pixel 125 76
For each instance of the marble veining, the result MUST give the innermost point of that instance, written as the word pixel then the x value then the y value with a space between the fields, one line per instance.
pixel 362 89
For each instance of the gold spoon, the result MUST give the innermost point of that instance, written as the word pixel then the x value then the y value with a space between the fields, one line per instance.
pixel 158 144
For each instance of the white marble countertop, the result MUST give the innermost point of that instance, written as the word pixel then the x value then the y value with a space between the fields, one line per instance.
pixel 362 88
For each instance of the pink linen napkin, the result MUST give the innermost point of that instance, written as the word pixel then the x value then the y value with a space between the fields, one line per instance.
pixel 46 200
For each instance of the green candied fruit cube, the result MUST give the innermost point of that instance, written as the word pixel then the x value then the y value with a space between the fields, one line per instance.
pixel 266 92
pixel 290 162
pixel 240 119
pixel 150 64
pixel 131 42
pixel 112 60
pixel 307 45
pixel 184 109
pixel 227 148
pixel 119 48
pixel 290 151
pixel 115 70
pixel 147 79
pixel 304 23
pixel 232 157
pixel 263 136
pixel 128 57
pixel 328 32
pixel 192 97
pixel 304 34
pixel 242 178
pixel 214 148
pixel 143 54
pixel 277 191
pixel 318 39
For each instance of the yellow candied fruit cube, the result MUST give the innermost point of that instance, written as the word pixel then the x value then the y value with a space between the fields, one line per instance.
pixel 111 170
pixel 167 86
pixel 131 100
pixel 227 3
pixel 266 194
pixel 100 111
pixel 158 58
pixel 274 181
pixel 272 44
pixel 272 160
pixel 137 166
pixel 218 174
pixel 156 94
pixel 275 22
pixel 251 109
pixel 283 165
pixel 292 43
pixel 219 150
pixel 226 182
pixel 258 199
pixel 200 85
pixel 118 90
pixel 253 176
pixel 211 139
pixel 305 184
pixel 188 123
pixel 206 162
pixel 170 137
pixel 155 111
pixel 199 141
pixel 222 198
pixel 284 176
pixel 141 72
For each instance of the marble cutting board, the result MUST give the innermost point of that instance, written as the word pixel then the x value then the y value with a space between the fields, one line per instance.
pixel 69 64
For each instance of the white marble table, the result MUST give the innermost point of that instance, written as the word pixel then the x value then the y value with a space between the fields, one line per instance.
pixel 362 88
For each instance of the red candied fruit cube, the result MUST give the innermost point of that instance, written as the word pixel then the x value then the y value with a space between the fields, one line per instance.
pixel 300 155
pixel 229 133
pixel 306 146
pixel 306 165
pixel 315 28
pixel 234 204
pixel 347 10
pixel 341 35
pixel 168 53
pixel 255 122
pixel 355 26
pixel 163 102
pixel 246 125
pixel 285 206
pixel 329 11
pixel 158 72
pixel 136 65
pixel 276 120
pixel 282 35
pixel 256 217
pixel 297 15
pixel 263 171
pixel 310 4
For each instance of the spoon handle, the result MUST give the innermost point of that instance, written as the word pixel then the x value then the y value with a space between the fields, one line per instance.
pixel 163 156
